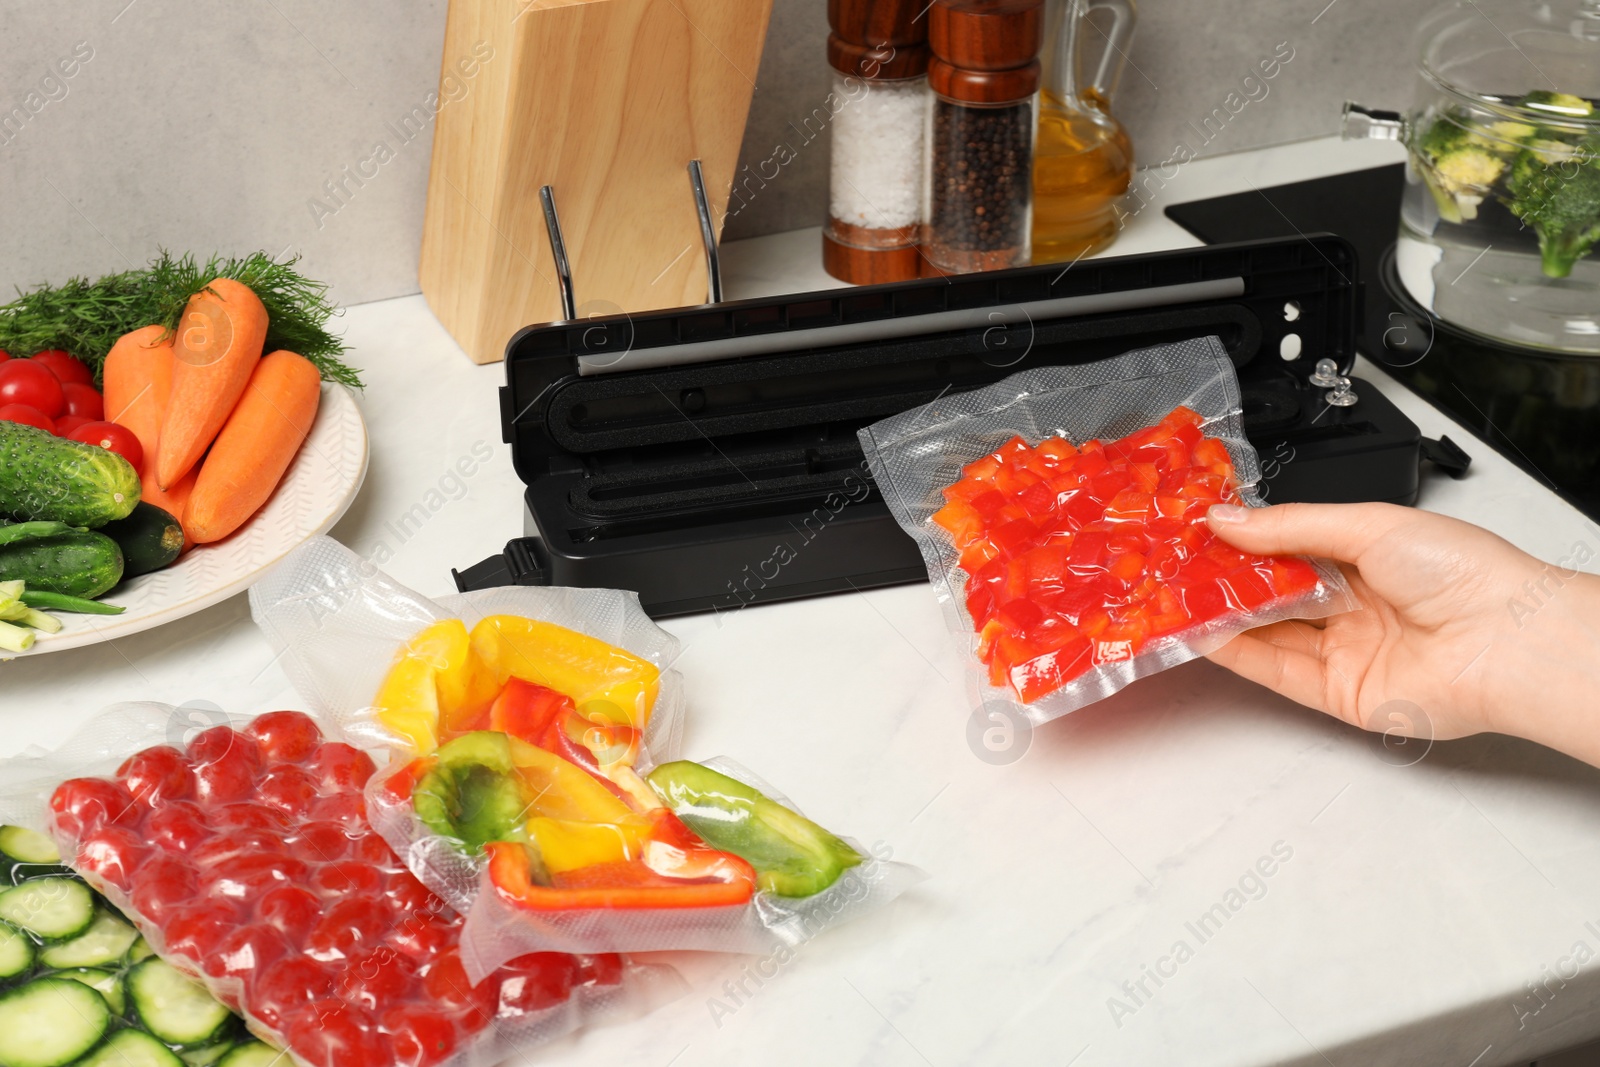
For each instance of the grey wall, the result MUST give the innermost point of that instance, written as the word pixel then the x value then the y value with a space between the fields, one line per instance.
pixel 218 131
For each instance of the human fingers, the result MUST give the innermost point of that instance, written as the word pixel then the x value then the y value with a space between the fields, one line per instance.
pixel 1337 531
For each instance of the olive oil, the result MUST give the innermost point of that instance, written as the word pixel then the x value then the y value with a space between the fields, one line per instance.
pixel 1082 165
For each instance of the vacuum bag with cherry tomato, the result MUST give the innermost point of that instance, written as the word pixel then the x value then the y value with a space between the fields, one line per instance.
pixel 242 853
pixel 529 779
pixel 1061 513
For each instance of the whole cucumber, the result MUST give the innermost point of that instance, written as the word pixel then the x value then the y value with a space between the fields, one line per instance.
pixel 43 476
pixel 150 539
pixel 81 563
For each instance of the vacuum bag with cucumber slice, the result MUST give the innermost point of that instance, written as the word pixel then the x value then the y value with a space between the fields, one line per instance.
pixel 530 778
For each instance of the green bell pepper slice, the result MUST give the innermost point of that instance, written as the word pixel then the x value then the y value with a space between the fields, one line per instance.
pixel 792 856
pixel 474 793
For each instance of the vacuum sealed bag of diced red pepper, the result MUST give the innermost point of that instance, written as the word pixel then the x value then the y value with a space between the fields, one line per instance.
pixel 529 782
pixel 1061 513
pixel 241 856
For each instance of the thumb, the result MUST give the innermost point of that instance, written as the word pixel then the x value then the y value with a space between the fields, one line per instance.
pixel 1336 531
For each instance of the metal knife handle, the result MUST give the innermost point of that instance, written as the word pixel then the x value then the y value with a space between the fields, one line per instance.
pixel 558 249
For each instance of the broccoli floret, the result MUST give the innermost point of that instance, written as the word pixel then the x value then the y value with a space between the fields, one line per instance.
pixel 1563 104
pixel 1558 194
pixel 1459 167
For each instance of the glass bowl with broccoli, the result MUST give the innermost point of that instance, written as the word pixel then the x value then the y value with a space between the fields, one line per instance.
pixel 1500 224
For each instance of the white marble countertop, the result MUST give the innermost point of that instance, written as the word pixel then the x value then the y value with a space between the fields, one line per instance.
pixel 1408 912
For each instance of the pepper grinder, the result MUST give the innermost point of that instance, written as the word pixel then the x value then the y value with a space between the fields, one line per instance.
pixel 985 76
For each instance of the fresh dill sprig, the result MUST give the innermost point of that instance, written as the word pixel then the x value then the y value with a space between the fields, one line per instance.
pixel 87 317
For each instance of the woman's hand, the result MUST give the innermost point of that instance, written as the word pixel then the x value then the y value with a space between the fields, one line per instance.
pixel 1438 624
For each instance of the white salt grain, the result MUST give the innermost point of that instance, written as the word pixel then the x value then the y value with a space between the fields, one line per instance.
pixel 877 156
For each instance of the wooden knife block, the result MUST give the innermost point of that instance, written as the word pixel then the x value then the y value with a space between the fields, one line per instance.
pixel 606 101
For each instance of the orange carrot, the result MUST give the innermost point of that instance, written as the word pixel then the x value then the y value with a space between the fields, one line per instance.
pixel 218 344
pixel 255 447
pixel 137 379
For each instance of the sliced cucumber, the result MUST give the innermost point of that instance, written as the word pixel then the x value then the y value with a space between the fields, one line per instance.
pixel 255 1054
pixel 50 1022
pixel 107 983
pixel 140 952
pixel 28 846
pixel 205 1057
pixel 131 1048
pixel 107 940
pixel 16 952
pixel 53 908
pixel 173 1006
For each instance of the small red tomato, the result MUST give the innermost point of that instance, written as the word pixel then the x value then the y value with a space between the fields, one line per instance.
pixel 23 381
pixel 218 741
pixel 22 413
pixel 66 424
pixel 424 937
pixel 224 781
pixel 249 877
pixel 603 969
pixel 244 951
pixel 347 809
pixel 410 897
pixel 323 842
pixel 348 877
pixel 161 886
pixel 348 925
pixel 82 401
pixel 220 847
pixel 196 930
pixel 373 849
pixel 377 980
pixel 112 438
pixel 285 736
pixel 340 768
pixel 285 987
pixel 66 368
pixel 291 910
pixel 536 981
pixel 177 826
pixel 111 854
pixel 247 816
pixel 157 775
pixel 333 1034
pixel 82 805
pixel 419 1037
pixel 289 789
pixel 448 987
pixel 4 355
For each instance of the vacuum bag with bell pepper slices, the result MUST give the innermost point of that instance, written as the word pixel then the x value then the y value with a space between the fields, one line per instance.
pixel 529 781
pixel 1061 513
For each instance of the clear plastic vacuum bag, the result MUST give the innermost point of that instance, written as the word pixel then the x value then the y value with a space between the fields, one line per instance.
pixel 530 781
pixel 243 856
pixel 1061 513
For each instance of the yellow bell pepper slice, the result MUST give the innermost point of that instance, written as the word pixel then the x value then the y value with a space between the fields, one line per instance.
pixel 565 845
pixel 600 678
pixel 562 790
pixel 436 688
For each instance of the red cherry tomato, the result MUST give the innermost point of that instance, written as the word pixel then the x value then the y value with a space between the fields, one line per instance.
pixel 66 368
pixel 289 789
pixel 247 878
pixel 377 980
pixel 419 1037
pixel 410 897
pixel 348 877
pixel 23 381
pixel 283 988
pixel 161 886
pixel 196 930
pixel 322 842
pixel 244 951
pixel 219 847
pixel 423 937
pixel 248 816
pixel 536 981
pixel 66 424
pixel 350 924
pixel 4 355
pixel 111 854
pixel 27 416
pixel 285 736
pixel 82 401
pixel 603 969
pixel 225 780
pixel 347 809
pixel 157 775
pixel 334 1034
pixel 291 910
pixel 373 849
pixel 340 768
pixel 177 826
pixel 83 805
pixel 112 438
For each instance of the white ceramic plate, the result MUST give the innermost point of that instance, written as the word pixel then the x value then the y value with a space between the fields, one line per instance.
pixel 316 491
